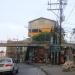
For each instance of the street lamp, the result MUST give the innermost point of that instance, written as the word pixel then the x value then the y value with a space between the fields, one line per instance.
pixel 17 54
pixel 17 51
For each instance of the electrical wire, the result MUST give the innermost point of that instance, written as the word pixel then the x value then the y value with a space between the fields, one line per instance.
pixel 70 13
pixel 69 23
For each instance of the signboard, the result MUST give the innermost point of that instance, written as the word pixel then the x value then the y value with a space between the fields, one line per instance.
pixel 56 48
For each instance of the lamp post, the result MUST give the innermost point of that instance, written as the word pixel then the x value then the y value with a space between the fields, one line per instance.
pixel 17 51
pixel 17 54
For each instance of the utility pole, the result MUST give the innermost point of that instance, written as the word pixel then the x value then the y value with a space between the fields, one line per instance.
pixel 57 6
pixel 60 4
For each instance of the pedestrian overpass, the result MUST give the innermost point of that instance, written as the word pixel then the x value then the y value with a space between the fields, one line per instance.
pixel 19 43
pixel 28 43
pixel 30 47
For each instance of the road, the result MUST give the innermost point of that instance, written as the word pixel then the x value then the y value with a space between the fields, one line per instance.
pixel 29 70
pixel 47 70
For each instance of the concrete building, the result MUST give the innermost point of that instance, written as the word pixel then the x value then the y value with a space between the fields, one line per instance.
pixel 35 53
pixel 16 52
pixel 40 25
pixel 46 25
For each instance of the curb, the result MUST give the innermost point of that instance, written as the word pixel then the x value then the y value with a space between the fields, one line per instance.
pixel 44 71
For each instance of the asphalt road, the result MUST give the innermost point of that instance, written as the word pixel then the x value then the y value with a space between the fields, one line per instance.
pixel 29 70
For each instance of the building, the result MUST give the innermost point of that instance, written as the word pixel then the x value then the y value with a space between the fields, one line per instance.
pixel 52 54
pixel 16 52
pixel 40 25
pixel 2 54
pixel 35 52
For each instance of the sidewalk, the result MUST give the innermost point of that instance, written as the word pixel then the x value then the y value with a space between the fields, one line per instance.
pixel 55 70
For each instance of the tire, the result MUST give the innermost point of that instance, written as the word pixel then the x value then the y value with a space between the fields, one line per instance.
pixel 12 72
pixel 17 71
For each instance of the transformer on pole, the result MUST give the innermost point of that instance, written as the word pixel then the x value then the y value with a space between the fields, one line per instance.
pixel 58 5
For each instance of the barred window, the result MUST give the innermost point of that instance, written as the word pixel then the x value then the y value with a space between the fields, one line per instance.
pixel 34 30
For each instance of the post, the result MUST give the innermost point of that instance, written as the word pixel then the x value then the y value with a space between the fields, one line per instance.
pixel 60 22
pixel 59 7
pixel 17 54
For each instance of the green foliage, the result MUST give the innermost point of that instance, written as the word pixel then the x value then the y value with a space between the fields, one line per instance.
pixel 44 36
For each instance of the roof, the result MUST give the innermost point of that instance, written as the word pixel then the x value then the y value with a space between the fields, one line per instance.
pixel 41 18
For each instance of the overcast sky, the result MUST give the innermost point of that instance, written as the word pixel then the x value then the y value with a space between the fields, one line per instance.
pixel 15 15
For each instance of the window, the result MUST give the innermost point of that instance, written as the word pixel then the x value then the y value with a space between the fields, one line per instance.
pixel 5 60
pixel 29 30
pixel 34 30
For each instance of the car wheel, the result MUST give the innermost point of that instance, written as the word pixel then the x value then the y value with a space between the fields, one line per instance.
pixel 17 71
pixel 12 73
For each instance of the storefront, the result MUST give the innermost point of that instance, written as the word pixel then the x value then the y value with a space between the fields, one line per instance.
pixel 56 54
pixel 53 55
pixel 36 54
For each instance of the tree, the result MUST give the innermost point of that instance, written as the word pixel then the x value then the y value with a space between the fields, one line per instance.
pixel 52 36
pixel 57 29
pixel 43 36
pixel 49 37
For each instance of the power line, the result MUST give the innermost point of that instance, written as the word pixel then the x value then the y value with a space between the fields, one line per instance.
pixel 70 13
pixel 60 4
pixel 69 23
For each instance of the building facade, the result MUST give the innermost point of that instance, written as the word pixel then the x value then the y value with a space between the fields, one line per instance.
pixel 40 25
pixel 16 52
pixel 2 54
pixel 52 54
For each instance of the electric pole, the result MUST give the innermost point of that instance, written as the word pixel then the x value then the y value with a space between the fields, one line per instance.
pixel 58 6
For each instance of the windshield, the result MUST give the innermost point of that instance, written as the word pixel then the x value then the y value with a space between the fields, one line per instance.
pixel 5 60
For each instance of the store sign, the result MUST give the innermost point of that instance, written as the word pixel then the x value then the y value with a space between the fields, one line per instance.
pixel 55 48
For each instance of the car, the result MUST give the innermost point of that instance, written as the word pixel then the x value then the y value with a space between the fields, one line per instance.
pixel 8 65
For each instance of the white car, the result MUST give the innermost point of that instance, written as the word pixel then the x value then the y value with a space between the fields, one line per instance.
pixel 8 65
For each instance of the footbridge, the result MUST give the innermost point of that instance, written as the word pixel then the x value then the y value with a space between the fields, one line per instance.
pixel 19 43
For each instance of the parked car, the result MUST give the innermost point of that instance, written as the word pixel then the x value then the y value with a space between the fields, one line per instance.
pixel 8 65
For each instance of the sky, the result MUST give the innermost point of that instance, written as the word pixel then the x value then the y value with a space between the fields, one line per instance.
pixel 15 15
